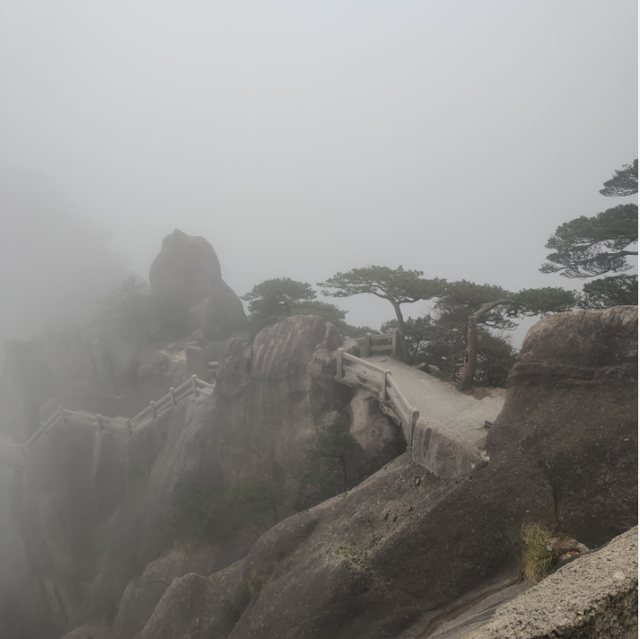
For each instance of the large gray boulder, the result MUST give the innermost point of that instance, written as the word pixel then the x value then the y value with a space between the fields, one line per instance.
pixel 188 292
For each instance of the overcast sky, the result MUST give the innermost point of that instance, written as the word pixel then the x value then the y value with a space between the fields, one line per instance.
pixel 304 138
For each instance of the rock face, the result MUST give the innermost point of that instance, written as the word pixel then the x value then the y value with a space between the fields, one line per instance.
pixel 595 596
pixel 274 396
pixel 96 508
pixel 573 391
pixel 403 551
pixel 188 292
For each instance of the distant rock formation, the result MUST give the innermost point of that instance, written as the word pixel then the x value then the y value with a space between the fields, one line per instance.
pixel 188 292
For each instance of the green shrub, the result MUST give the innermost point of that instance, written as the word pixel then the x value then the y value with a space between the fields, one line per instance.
pixel 127 308
pixel 205 512
pixel 103 609
pixel 214 350
pixel 327 463
pixel 255 584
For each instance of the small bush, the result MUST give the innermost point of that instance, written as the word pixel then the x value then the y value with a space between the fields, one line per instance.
pixel 255 584
pixel 215 349
pixel 539 554
pixel 204 512
pixel 327 466
pixel 103 609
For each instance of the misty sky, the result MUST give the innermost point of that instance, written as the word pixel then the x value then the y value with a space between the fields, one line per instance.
pixel 305 138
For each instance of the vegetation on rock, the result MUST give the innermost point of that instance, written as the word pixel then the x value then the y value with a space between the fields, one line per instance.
pixel 610 291
pixel 397 286
pixel 460 324
pixel 327 472
pixel 127 309
pixel 273 300
pixel 211 513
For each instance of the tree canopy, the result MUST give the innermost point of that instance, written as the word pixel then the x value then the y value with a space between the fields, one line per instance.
pixel 467 323
pixel 492 306
pixel 610 291
pixel 397 286
pixel 591 246
pixel 623 182
pixel 273 300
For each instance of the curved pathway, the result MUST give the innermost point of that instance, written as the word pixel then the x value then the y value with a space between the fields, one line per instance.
pixel 440 402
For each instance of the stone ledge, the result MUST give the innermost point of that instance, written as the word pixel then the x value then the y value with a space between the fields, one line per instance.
pixel 445 453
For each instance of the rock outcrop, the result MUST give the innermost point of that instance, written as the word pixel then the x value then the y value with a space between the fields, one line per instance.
pixel 403 551
pixel 188 292
pixel 94 505
pixel 397 555
pixel 124 358
pixel 595 596
pixel 274 396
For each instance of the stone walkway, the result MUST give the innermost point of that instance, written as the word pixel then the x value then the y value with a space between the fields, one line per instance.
pixel 440 402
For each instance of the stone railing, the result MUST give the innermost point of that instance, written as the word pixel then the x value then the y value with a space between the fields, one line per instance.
pixel 354 371
pixel 370 344
pixel 15 454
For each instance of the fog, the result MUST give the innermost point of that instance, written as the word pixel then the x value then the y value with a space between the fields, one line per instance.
pixel 303 139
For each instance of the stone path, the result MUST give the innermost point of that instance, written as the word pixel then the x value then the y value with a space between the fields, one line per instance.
pixel 440 402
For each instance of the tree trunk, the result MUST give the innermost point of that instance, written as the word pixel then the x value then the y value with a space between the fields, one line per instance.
pixel 402 343
pixel 471 360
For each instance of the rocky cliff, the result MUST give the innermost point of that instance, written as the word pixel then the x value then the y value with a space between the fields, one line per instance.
pixel 403 552
pixel 134 350
pixel 397 555
pixel 97 511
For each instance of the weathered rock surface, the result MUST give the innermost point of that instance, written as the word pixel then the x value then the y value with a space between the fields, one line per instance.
pixel 573 395
pixel 188 292
pixel 595 596
pixel 275 395
pixel 94 503
pixel 403 551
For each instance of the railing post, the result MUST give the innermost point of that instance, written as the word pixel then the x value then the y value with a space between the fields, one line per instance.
pixel 339 371
pixel 385 385
pixel 394 343
pixel 195 385
pixel 129 429
pixel 99 422
pixel 367 345
pixel 173 399
pixel 153 410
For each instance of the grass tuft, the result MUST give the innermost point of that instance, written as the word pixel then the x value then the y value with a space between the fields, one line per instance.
pixel 539 554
